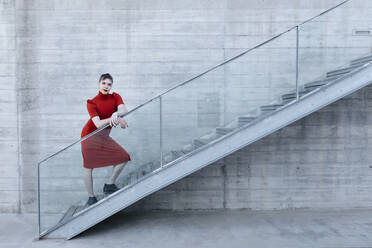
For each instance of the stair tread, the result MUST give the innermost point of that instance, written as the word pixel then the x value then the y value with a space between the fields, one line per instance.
pixel 342 70
pixel 322 81
pixel 228 129
pixel 367 57
pixel 362 62
pixel 270 107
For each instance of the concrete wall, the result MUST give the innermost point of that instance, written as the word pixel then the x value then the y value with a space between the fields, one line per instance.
pixel 61 47
pixel 9 164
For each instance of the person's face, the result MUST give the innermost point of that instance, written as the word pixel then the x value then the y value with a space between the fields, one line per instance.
pixel 105 86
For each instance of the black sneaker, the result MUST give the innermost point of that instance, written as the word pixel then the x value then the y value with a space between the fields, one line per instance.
pixel 109 188
pixel 91 200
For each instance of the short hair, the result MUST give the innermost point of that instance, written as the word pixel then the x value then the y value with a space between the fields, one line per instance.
pixel 105 76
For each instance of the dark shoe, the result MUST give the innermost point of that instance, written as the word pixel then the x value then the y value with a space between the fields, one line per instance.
pixel 109 188
pixel 91 201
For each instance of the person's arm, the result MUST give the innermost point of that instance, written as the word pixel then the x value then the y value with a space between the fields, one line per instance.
pixel 115 117
pixel 92 110
pixel 100 123
pixel 122 109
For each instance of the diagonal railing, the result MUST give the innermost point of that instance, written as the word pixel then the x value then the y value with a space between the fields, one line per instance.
pixel 208 105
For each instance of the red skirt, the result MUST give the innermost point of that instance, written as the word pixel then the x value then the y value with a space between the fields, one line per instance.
pixel 101 150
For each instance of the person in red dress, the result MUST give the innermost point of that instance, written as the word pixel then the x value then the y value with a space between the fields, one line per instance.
pixel 100 149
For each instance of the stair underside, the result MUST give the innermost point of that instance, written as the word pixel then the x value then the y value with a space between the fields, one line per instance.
pixel 232 141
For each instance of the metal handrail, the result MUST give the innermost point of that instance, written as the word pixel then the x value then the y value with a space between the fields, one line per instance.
pixel 201 74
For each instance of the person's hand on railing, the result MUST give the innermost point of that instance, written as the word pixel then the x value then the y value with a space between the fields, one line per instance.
pixel 114 120
pixel 123 123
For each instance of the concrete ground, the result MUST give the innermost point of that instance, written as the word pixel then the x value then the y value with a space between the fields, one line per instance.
pixel 240 228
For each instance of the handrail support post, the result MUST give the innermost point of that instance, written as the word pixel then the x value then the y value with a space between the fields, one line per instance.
pixel 161 131
pixel 297 63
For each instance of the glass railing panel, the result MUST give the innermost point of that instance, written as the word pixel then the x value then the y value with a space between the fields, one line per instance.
pixel 142 141
pixel 261 78
pixel 190 111
pixel 210 106
pixel 61 186
pixel 329 43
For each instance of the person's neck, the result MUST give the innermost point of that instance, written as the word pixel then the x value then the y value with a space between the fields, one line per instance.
pixel 102 94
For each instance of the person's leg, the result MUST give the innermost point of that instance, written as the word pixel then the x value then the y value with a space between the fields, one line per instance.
pixel 116 170
pixel 88 181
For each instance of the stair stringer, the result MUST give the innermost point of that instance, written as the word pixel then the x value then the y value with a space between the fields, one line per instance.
pixel 212 152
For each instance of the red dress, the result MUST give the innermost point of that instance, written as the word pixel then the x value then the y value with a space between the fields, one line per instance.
pixel 100 149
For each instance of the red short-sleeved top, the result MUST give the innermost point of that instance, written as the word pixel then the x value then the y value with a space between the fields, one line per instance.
pixel 102 105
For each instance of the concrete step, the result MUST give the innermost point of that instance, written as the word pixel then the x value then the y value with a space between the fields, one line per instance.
pixel 361 63
pixel 341 71
pixel 320 82
pixel 188 148
pixel 196 143
pixel 271 107
pixel 362 60
pixel 242 120
pixel 177 153
pixel 174 154
pixel 147 168
pixel 223 130
pixel 138 173
pixel 308 87
pixel 167 157
pixel 291 96
pixel 133 177
pixel 199 143
pixel 155 165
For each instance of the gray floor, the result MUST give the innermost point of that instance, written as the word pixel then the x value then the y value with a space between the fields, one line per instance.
pixel 240 228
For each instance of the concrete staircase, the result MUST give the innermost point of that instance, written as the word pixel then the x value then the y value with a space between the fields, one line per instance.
pixel 223 141
pixel 264 110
